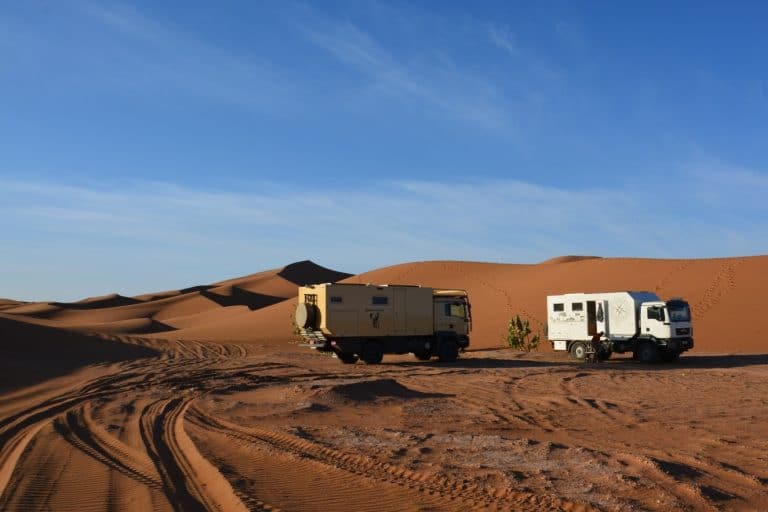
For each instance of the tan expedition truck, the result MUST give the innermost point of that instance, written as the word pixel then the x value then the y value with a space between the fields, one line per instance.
pixel 366 321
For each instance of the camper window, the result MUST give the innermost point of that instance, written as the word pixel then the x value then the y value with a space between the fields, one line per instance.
pixel 577 306
pixel 558 307
pixel 380 301
pixel 336 300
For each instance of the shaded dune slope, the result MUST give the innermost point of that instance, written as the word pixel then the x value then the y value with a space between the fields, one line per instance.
pixel 31 352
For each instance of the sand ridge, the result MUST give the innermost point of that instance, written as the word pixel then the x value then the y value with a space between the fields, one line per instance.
pixel 260 306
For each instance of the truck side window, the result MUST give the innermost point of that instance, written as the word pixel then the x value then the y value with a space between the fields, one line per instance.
pixel 577 306
pixel 456 310
pixel 380 301
pixel 558 307
pixel 656 313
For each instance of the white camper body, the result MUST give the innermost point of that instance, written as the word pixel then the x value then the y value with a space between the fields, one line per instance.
pixel 628 321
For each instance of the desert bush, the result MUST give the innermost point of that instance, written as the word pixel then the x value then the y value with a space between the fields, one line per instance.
pixel 520 336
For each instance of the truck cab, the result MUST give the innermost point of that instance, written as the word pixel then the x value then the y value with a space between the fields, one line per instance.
pixel 453 313
pixel 669 323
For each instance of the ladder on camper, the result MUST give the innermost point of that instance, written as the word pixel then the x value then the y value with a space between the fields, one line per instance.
pixel 314 339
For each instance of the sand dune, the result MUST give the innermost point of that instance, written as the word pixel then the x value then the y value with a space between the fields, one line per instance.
pixel 719 291
pixel 31 352
pixel 199 306
pixel 259 307
pixel 196 399
pixel 568 259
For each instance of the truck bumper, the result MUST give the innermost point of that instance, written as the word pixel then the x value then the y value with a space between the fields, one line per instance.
pixel 679 344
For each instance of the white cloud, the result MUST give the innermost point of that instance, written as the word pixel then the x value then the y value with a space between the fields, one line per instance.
pixel 504 39
pixel 115 229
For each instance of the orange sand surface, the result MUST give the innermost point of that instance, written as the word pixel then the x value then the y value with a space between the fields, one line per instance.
pixel 201 399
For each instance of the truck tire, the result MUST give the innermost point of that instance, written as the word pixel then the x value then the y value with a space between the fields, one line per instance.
pixel 423 355
pixel 372 353
pixel 578 350
pixel 305 315
pixel 670 357
pixel 346 357
pixel 647 352
pixel 448 351
pixel 604 355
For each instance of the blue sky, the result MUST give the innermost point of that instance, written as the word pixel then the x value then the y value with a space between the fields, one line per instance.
pixel 146 146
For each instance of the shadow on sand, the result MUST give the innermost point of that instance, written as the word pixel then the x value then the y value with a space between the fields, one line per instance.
pixel 705 362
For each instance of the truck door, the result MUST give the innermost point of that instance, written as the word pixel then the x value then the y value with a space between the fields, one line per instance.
pixel 443 320
pixel 654 321
pixel 601 317
pixel 591 317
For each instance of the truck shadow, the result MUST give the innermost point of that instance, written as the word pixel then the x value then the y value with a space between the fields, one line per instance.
pixel 487 363
pixel 703 362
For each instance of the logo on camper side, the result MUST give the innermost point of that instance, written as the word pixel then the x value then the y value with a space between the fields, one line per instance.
pixel 375 319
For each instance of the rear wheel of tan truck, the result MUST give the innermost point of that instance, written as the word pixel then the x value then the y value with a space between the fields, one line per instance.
pixel 346 357
pixel 372 353
pixel 423 355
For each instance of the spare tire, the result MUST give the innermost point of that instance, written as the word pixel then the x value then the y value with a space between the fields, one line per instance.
pixel 305 315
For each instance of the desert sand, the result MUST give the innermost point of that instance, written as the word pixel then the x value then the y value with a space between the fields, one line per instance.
pixel 202 399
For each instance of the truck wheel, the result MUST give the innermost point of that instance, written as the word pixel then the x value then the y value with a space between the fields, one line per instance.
pixel 448 351
pixel 578 350
pixel 346 357
pixel 372 353
pixel 604 355
pixel 423 355
pixel 670 357
pixel 647 352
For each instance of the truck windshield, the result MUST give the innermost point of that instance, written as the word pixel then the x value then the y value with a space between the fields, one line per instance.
pixel 679 312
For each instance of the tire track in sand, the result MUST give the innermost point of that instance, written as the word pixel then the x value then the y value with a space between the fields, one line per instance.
pixel 469 496
pixel 191 483
pixel 78 427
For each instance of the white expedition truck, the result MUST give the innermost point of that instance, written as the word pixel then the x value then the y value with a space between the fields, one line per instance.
pixel 637 322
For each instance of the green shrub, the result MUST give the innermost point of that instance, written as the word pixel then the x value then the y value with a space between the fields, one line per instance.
pixel 520 336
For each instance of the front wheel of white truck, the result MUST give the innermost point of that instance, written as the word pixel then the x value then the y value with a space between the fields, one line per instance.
pixel 647 352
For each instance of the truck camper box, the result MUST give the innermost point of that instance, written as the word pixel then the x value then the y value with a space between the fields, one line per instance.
pixel 365 320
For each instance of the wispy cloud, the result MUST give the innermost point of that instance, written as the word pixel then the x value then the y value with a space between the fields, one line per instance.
pixel 383 223
pixel 432 83
pixel 152 54
pixel 504 39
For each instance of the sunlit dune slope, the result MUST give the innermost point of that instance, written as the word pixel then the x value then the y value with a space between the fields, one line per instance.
pixel 722 292
pixel 259 307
